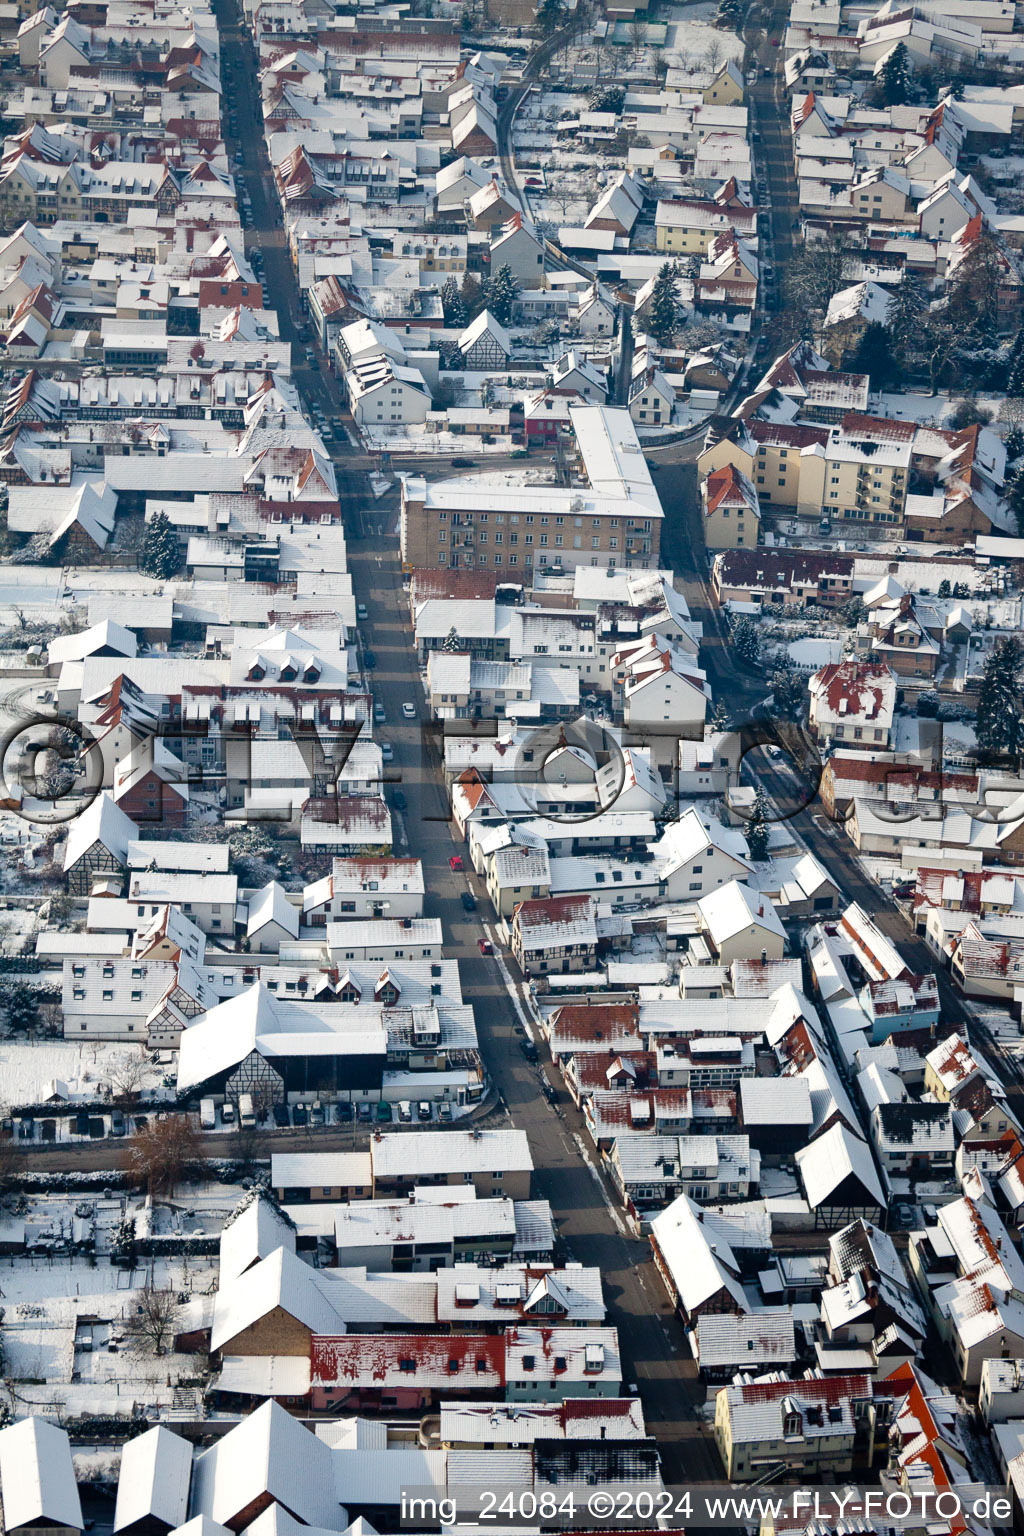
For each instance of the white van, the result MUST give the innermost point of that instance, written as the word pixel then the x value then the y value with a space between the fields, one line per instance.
pixel 208 1114
pixel 246 1112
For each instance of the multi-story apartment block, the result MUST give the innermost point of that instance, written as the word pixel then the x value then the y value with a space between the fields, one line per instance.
pixel 610 516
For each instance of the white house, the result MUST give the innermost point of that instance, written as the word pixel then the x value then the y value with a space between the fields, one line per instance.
pixel 853 702
pixel 518 247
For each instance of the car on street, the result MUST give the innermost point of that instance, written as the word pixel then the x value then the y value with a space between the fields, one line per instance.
pixel 380 714
pixel 361 613
pixel 455 862
pixel 463 463
pixel 409 710
pixel 468 901
pixel 387 752
pixel 369 660
pixel 529 1049
pixel 485 946
pixel 399 801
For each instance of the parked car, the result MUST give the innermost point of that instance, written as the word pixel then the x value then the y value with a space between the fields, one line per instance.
pixel 361 613
pixel 316 1114
pixel 485 946
pixel 444 1112
pixel 117 1123
pixel 343 1112
pixel 455 862
pixel 404 1111
pixel 380 714
pixel 300 1115
pixel 387 752
pixel 468 901
pixel 424 1109
pixel 529 1049
pixel 369 660
pixel 364 1112
pixel 280 1114
pixel 384 1112
pixel 399 801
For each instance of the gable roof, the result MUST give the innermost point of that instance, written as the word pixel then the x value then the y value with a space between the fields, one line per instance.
pixel 37 1476
pixel 835 1157
pixel 268 1453
pixel 156 1470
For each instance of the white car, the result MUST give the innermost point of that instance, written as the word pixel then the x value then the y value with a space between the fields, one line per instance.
pixel 409 710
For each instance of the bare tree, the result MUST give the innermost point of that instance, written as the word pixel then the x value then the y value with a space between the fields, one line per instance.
pixel 126 1077
pixel 562 192
pixel 638 34
pixel 713 55
pixel 248 1145
pixel 166 1152
pixel 152 1320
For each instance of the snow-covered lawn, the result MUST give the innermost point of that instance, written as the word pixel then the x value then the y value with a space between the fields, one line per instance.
pixel 930 410
pixel 29 1070
pixel 691 35
pixel 811 654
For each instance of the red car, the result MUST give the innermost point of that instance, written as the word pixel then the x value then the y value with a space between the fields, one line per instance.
pixel 455 862
pixel 485 946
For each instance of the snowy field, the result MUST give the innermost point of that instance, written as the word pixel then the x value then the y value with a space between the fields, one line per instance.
pixel 691 38
pixel 33 1071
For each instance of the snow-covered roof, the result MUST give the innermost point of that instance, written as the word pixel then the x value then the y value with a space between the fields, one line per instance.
pixel 156 1471
pixel 834 1157
pixel 695 1247
pixel 37 1476
pixel 267 1454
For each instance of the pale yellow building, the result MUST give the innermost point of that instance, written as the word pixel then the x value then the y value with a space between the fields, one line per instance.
pixel 689 227
pixel 732 516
